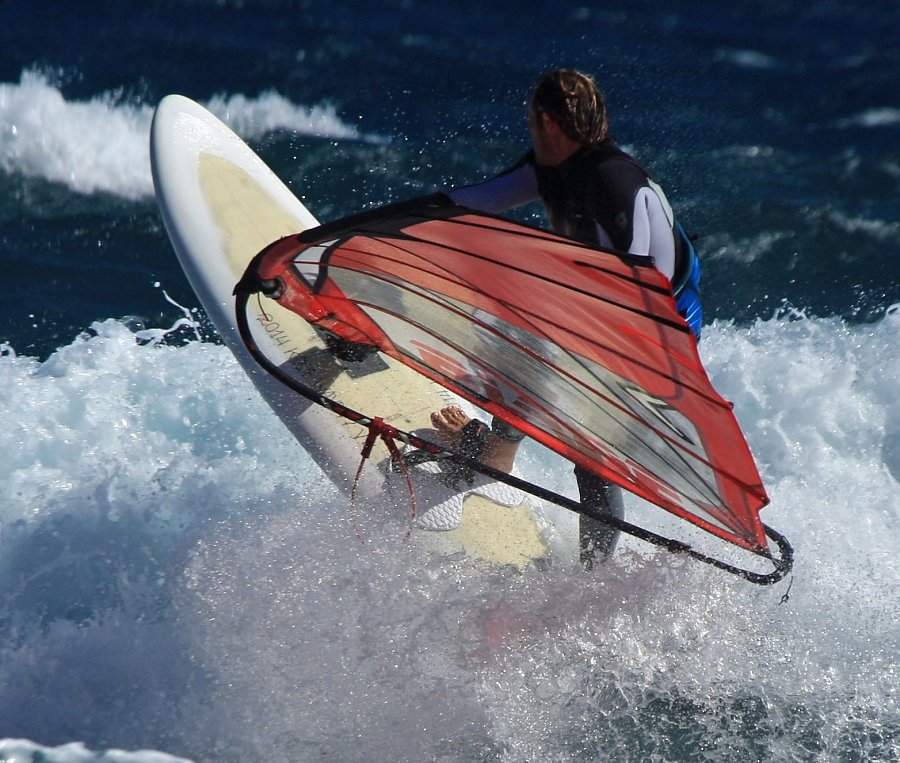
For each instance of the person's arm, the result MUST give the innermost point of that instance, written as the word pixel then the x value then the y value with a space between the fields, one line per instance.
pixel 653 232
pixel 512 188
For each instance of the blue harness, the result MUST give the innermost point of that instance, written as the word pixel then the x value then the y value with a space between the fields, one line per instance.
pixel 687 289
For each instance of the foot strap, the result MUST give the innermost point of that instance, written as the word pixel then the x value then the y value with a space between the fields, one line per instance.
pixel 506 432
pixel 471 445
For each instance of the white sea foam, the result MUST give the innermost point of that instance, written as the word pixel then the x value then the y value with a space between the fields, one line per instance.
pixel 880 230
pixel 252 118
pixel 178 574
pixel 24 751
pixel 886 116
pixel 746 58
pixel 100 144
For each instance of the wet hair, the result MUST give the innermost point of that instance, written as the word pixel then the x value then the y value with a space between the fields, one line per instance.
pixel 574 101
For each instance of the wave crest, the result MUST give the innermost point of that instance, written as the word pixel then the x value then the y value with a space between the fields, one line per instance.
pixel 100 145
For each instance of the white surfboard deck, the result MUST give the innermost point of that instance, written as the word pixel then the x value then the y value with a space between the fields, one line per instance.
pixel 221 205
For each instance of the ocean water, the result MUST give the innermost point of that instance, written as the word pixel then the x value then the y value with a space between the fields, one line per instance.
pixel 178 581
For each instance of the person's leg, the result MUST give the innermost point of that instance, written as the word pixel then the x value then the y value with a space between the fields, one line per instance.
pixel 501 444
pixel 600 498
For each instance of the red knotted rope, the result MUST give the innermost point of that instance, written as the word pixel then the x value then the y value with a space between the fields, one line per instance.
pixel 388 434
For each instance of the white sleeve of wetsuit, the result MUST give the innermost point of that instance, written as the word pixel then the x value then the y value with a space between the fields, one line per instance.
pixel 502 192
pixel 653 222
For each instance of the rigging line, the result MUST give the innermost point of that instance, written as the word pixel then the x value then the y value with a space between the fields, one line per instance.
pixel 387 433
pixel 787 594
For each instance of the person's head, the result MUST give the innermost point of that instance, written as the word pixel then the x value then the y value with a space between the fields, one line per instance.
pixel 568 101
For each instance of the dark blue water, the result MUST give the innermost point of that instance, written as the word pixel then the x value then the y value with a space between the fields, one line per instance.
pixel 775 130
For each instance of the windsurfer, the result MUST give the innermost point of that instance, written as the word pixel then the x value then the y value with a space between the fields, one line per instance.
pixel 595 192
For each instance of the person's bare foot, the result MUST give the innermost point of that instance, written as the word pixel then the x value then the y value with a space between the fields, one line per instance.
pixel 450 421
pixel 497 453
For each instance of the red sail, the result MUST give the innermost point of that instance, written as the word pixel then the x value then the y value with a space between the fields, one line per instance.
pixel 580 348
